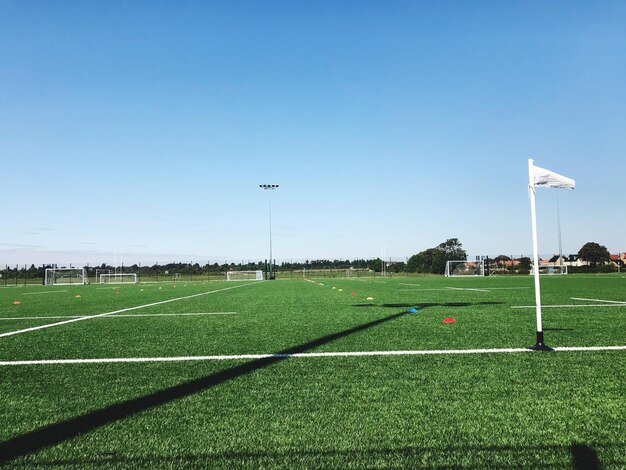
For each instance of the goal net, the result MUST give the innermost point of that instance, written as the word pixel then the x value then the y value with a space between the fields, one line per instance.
pixel 111 278
pixel 100 271
pixel 65 276
pixel 244 276
pixel 550 270
pixel 465 268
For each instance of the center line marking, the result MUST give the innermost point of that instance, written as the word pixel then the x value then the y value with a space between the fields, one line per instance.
pixel 50 325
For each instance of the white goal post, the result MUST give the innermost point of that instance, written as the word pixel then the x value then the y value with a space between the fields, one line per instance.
pixel 244 276
pixel 110 278
pixel 458 268
pixel 100 271
pixel 65 276
pixel 550 270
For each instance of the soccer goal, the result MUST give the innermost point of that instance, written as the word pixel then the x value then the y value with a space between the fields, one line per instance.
pixel 465 268
pixel 244 276
pixel 65 276
pixel 100 271
pixel 550 270
pixel 112 278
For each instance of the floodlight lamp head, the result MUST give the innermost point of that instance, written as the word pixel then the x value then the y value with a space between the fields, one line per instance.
pixel 268 186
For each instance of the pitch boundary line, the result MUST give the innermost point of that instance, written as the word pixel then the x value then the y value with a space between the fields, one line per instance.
pixel 123 315
pixel 73 320
pixel 235 357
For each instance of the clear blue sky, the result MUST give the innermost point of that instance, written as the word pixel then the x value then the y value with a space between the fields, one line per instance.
pixel 146 127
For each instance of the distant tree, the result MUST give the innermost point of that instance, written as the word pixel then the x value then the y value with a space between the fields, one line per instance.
pixel 434 260
pixel 376 265
pixel 501 258
pixel 422 262
pixel 594 253
pixel 524 265
pixel 453 250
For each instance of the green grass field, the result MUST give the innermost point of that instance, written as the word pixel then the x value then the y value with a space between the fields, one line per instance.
pixel 563 409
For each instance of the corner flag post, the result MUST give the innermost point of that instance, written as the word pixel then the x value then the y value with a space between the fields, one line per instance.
pixel 540 177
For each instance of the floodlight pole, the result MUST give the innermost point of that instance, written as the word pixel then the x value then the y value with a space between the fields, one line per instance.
pixel 269 188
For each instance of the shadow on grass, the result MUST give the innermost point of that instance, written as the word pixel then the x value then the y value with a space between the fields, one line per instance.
pixel 418 457
pixel 584 457
pixel 441 304
pixel 57 433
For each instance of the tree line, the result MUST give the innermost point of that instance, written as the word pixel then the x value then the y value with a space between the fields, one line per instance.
pixel 429 261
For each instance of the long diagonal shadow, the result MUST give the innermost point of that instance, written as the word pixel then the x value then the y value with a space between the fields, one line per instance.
pixel 52 434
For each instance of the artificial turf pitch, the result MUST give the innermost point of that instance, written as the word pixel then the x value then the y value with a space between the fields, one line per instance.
pixel 509 410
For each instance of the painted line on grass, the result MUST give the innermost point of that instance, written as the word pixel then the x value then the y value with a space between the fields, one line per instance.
pixel 468 288
pixel 506 288
pixel 238 357
pixel 600 300
pixel 571 306
pixel 407 284
pixel 123 315
pixel 45 292
pixel 73 320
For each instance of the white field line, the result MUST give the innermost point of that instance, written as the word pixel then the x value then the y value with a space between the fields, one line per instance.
pixel 123 315
pixel 506 288
pixel 435 352
pixel 468 288
pixel 46 292
pixel 571 306
pixel 599 300
pixel 416 290
pixel 407 284
pixel 50 325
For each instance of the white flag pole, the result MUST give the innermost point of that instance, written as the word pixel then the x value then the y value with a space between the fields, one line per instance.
pixel 539 346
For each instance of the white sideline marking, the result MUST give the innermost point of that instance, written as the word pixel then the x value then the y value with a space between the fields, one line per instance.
pixel 123 316
pixel 467 288
pixel 571 306
pixel 46 292
pixel 599 300
pixel 407 284
pixel 50 325
pixel 304 355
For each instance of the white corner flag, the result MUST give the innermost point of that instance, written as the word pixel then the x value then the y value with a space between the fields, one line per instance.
pixel 540 177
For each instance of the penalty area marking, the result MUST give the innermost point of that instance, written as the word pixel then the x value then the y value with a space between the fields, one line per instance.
pixel 123 315
pixel 435 352
pixel 72 320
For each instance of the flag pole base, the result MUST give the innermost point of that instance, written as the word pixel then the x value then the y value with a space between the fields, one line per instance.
pixel 540 345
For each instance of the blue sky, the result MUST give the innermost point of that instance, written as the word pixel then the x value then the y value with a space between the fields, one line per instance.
pixel 146 127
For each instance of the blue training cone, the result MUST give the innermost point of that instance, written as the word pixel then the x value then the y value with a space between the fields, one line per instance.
pixel 411 310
